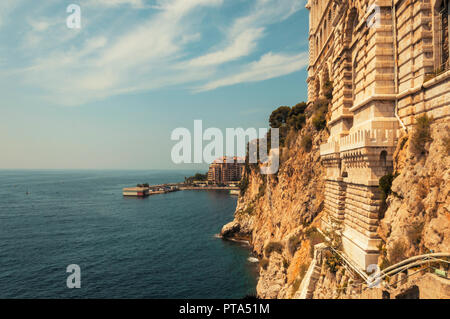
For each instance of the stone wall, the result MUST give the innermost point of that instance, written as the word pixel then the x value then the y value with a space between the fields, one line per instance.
pixel 387 64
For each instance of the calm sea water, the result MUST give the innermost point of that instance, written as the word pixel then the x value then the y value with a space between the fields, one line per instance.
pixel 159 247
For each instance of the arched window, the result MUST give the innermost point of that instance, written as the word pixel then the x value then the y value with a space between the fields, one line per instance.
pixel 317 46
pixel 354 67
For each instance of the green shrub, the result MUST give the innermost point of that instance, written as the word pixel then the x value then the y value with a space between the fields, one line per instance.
pixel 249 210
pixel 314 237
pixel 294 243
pixel 385 184
pixel 297 121
pixel 333 261
pixel 298 109
pixel 282 134
pixel 414 233
pixel 384 263
pixel 320 105
pixel 319 122
pixel 286 263
pixel 279 117
pixel 328 90
pixel 421 134
pixel 446 142
pixel 296 118
pixel 403 142
pixel 397 253
pixel 320 108
pixel 243 185
pixel 262 187
pixel 263 263
pixel 273 246
pixel 306 142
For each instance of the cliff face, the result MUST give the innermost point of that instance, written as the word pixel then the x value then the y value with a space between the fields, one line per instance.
pixel 417 219
pixel 276 211
pixel 278 214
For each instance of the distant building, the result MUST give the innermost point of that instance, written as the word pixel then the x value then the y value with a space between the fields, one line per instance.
pixel 226 170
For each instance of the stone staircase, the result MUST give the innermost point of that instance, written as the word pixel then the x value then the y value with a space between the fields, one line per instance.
pixel 311 277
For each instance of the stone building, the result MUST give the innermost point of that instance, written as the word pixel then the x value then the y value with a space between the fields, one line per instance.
pixel 226 170
pixel 387 62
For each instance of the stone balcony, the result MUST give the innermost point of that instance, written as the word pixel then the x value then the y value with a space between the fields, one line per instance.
pixel 329 148
pixel 369 138
pixel 361 139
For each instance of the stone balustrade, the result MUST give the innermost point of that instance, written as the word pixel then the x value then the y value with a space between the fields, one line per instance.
pixel 360 139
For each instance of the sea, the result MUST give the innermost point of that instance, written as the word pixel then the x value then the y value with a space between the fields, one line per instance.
pixel 163 246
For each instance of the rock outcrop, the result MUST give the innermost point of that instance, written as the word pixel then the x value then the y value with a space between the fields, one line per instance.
pixel 278 215
pixel 278 209
pixel 418 213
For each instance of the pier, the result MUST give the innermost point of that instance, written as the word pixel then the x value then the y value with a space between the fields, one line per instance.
pixel 145 191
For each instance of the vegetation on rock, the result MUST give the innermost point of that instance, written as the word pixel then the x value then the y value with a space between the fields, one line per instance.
pixel 306 142
pixel 243 185
pixel 320 108
pixel 294 243
pixel 421 134
pixel 273 246
pixel 385 186
pixel 397 252
pixel 264 263
pixel 414 232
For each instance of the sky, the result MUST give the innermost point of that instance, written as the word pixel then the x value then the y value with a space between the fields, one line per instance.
pixel 109 95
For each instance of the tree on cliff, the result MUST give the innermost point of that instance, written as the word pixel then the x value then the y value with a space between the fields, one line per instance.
pixel 279 117
pixel 297 118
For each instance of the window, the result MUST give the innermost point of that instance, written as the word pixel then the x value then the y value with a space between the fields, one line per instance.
pixel 317 47
pixel 383 158
pixel 320 39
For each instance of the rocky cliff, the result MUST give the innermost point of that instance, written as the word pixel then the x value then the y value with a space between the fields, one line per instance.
pixel 279 213
pixel 417 219
pixel 275 212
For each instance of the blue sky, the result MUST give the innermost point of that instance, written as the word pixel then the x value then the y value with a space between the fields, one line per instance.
pixel 108 96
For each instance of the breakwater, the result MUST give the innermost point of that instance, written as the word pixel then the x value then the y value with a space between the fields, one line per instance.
pixel 148 190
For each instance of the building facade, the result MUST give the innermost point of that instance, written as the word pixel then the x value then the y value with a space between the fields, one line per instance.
pixel 387 63
pixel 226 170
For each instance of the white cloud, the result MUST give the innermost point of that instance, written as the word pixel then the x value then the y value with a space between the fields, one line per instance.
pixel 241 46
pixel 150 54
pixel 189 38
pixel 115 3
pixel 101 67
pixel 39 25
pixel 269 66
pixel 243 35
